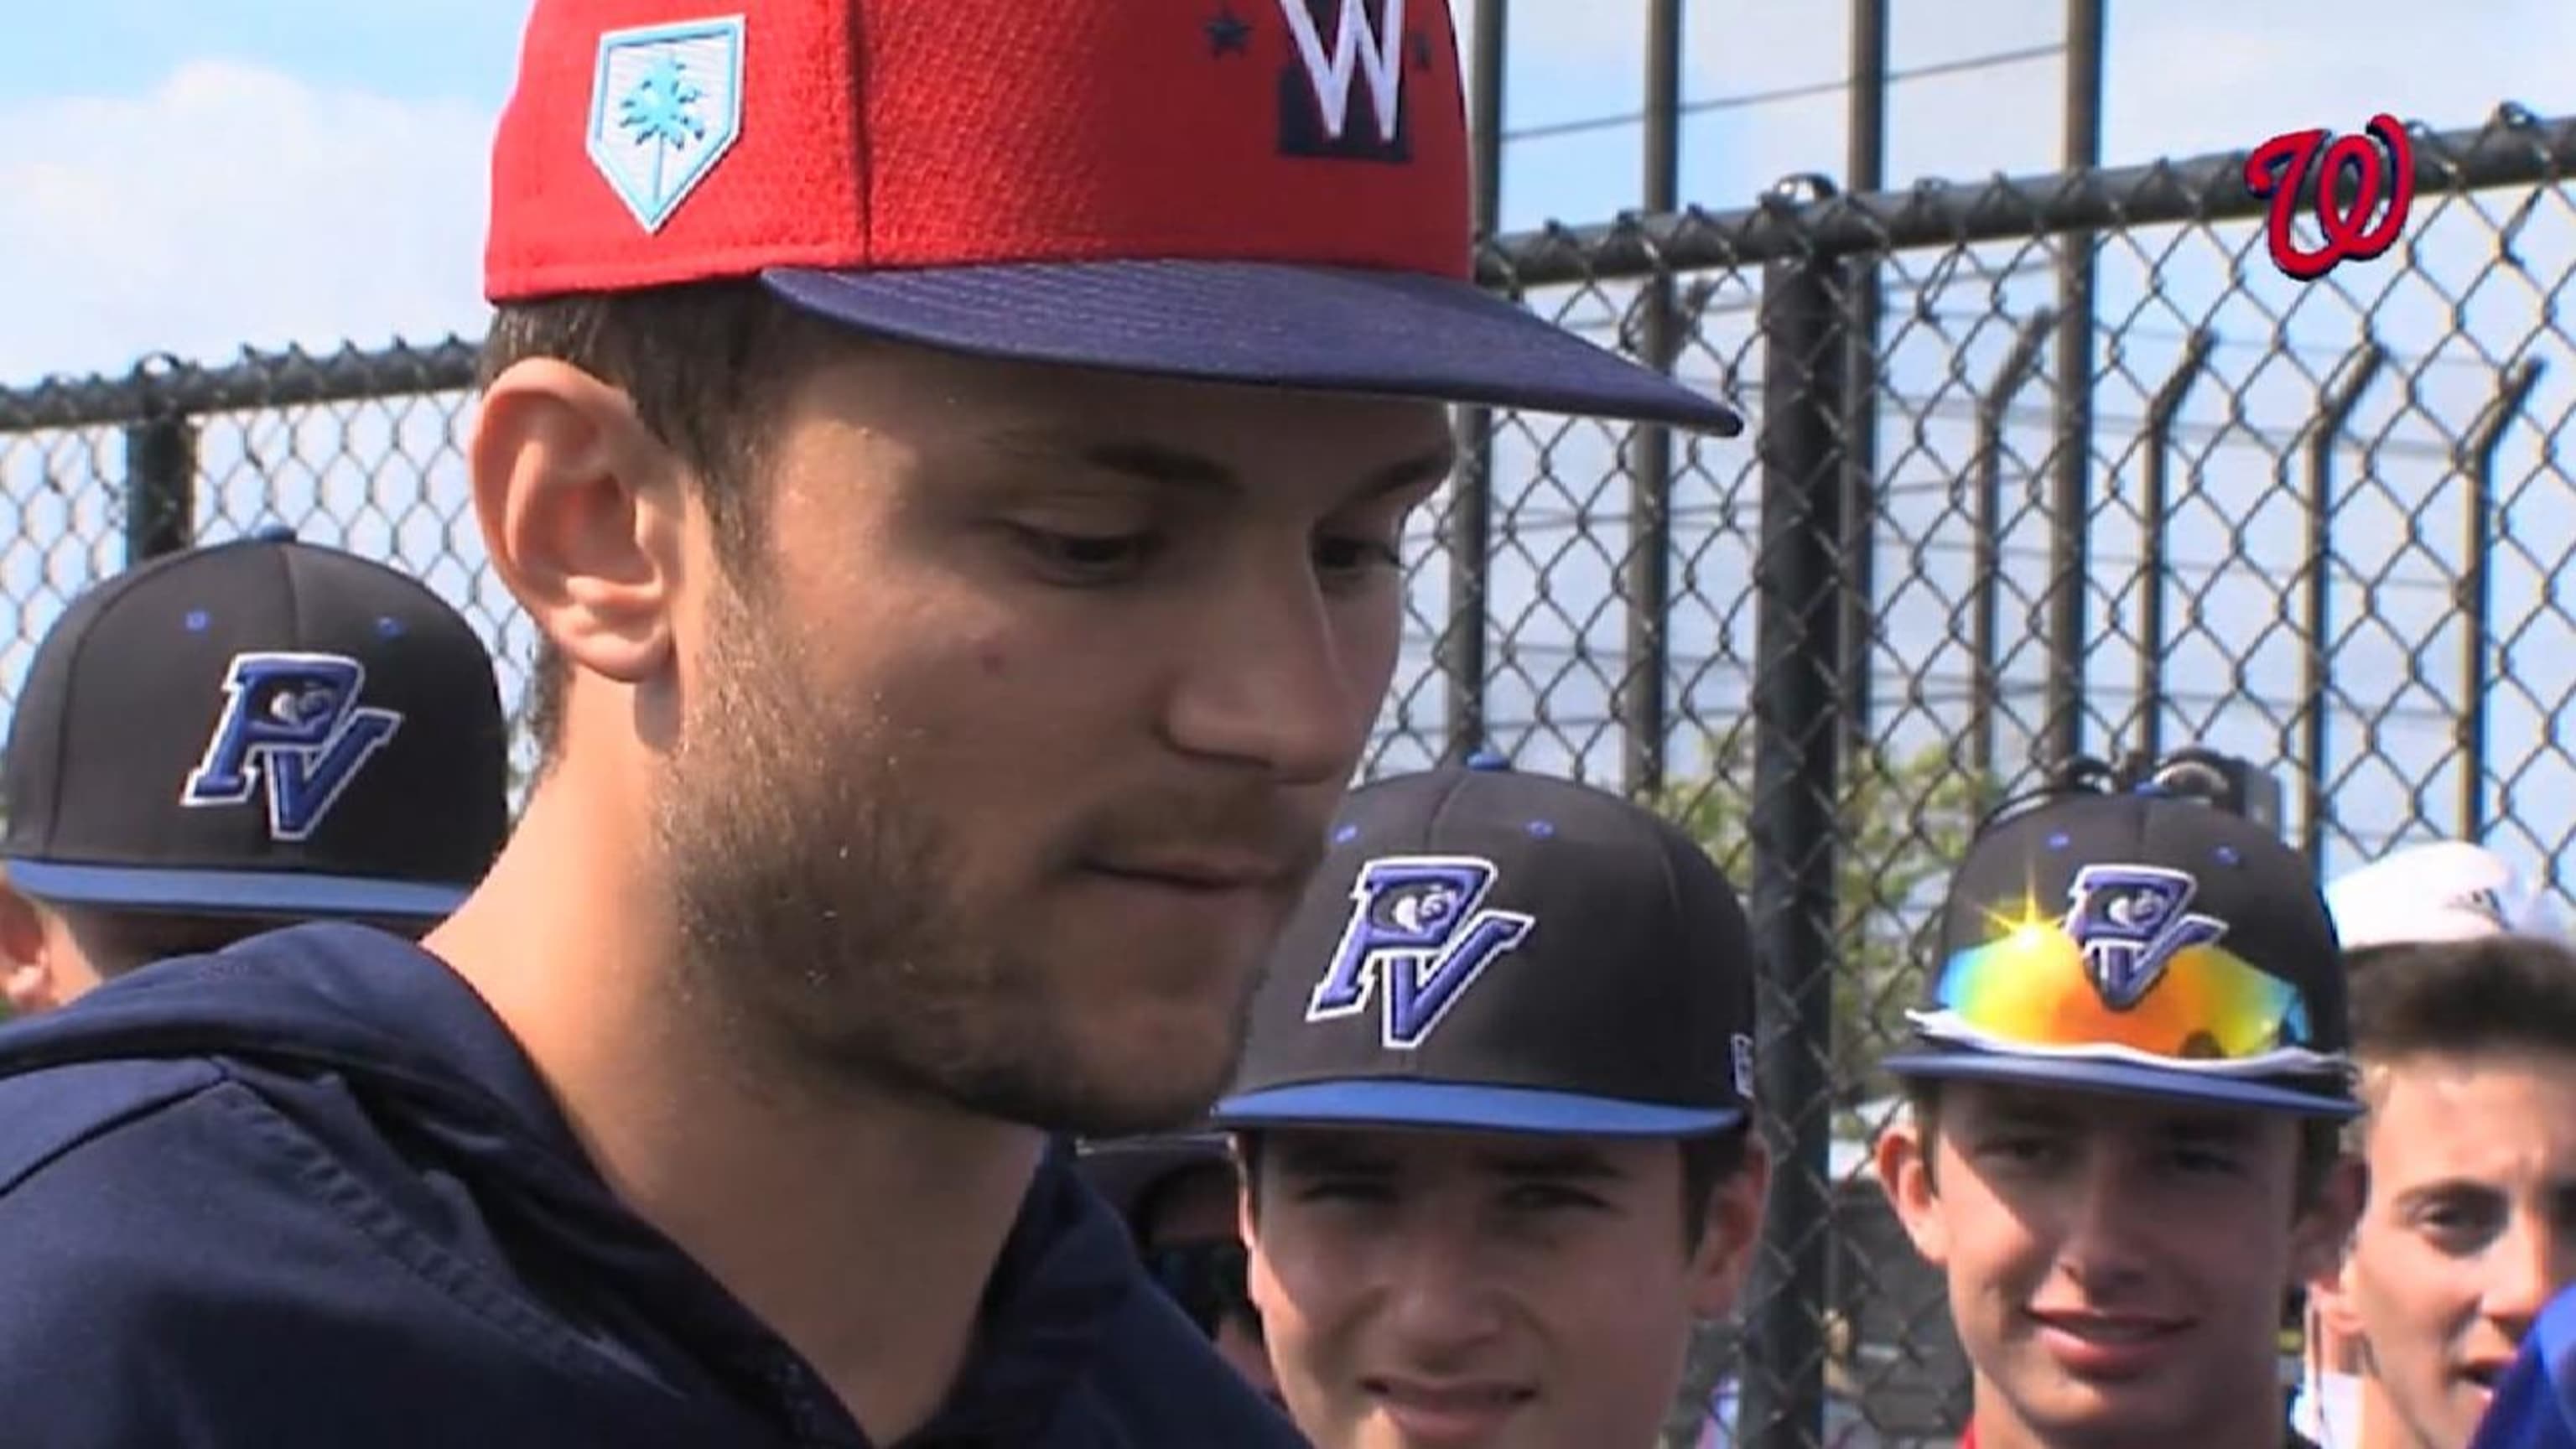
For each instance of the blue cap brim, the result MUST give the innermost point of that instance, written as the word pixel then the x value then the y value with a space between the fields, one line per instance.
pixel 1460 1107
pixel 234 892
pixel 1326 329
pixel 2119 1079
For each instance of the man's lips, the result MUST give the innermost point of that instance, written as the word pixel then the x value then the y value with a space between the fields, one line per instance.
pixel 2484 1372
pixel 1210 872
pixel 1447 1411
pixel 2095 1342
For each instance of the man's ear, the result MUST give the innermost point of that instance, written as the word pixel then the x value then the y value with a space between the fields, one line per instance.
pixel 1732 1233
pixel 29 974
pixel 1904 1162
pixel 2321 1241
pixel 583 513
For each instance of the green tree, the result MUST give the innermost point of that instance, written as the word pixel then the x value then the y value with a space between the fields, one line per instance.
pixel 1900 823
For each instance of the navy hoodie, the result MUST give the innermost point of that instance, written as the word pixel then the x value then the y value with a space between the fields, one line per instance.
pixel 309 1194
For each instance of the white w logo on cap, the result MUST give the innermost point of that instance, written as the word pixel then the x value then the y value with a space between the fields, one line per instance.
pixel 1378 54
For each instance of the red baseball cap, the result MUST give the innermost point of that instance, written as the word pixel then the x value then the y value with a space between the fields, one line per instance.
pixel 1251 191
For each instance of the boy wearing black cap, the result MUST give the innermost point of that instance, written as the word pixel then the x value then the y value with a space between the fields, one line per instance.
pixel 1177 1194
pixel 1494 1118
pixel 2127 1081
pixel 235 737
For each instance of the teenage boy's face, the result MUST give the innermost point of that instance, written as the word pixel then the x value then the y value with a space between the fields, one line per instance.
pixel 2470 1228
pixel 2112 1262
pixel 1464 1289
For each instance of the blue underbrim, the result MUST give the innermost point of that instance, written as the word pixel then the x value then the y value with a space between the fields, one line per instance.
pixel 1459 1107
pixel 2118 1078
pixel 234 892
pixel 1325 329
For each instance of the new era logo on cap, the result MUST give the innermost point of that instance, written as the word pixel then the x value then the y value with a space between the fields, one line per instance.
pixel 1497 952
pixel 1271 192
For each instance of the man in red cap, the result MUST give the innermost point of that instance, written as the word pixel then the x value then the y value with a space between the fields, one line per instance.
pixel 954 456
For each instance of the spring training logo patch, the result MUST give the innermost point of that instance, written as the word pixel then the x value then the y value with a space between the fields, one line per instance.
pixel 1419 933
pixel 291 730
pixel 665 106
pixel 2130 921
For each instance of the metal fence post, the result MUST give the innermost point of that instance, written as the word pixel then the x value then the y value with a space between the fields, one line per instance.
pixel 2358 372
pixel 1866 157
pixel 1798 586
pixel 2070 509
pixel 2476 597
pixel 1645 579
pixel 2154 502
pixel 160 477
pixel 1460 653
pixel 1986 519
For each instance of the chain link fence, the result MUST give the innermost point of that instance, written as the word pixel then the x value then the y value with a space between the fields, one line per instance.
pixel 2039 466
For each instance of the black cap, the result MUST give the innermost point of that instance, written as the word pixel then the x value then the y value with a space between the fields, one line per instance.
pixel 1487 951
pixel 1125 1171
pixel 2139 943
pixel 262 727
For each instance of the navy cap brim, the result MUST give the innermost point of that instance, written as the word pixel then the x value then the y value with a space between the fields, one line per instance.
pixel 1464 1107
pixel 1325 329
pixel 2119 1079
pixel 234 892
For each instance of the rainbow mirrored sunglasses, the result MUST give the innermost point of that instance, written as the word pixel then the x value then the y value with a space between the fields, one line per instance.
pixel 2127 974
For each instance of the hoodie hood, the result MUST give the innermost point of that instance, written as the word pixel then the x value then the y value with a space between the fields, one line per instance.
pixel 414 1042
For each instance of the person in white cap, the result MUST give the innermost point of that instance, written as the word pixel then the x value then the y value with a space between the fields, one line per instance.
pixel 2464 1029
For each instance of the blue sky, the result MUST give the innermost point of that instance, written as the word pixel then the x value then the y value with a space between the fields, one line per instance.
pixel 194 175
pixel 205 173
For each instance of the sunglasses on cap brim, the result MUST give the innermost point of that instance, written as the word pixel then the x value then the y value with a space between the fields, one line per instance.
pixel 2205 1010
pixel 1209 1280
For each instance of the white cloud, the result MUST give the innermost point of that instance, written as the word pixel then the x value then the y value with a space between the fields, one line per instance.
pixel 234 205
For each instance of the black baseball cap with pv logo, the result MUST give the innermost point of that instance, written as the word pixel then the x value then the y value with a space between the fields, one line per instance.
pixel 2139 943
pixel 261 727
pixel 1484 950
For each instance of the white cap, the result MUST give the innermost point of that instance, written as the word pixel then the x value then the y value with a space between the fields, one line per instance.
pixel 2449 890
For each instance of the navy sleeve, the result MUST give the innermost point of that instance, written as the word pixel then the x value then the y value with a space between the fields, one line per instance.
pixel 183 1264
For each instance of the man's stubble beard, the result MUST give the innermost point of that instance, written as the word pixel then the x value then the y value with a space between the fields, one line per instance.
pixel 822 932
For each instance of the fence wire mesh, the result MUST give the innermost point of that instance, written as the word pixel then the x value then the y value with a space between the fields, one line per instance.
pixel 2322 525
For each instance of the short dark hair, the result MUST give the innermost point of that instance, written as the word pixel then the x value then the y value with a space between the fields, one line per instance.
pixel 2493 994
pixel 1709 1161
pixel 707 366
pixel 2320 1141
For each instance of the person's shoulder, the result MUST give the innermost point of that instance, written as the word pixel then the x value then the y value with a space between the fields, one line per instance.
pixel 162 1271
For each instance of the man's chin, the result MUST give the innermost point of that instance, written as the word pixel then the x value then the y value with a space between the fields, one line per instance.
pixel 1086 1093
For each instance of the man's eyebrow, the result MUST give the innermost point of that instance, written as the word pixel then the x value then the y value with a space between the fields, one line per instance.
pixel 1167 466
